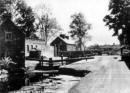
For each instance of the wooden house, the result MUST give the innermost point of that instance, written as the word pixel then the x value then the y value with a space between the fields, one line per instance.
pixel 62 44
pixel 12 42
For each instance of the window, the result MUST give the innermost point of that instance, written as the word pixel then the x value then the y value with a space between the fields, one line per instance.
pixel 31 46
pixel 36 47
pixel 8 35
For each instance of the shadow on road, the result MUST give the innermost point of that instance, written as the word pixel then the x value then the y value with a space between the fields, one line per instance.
pixel 72 72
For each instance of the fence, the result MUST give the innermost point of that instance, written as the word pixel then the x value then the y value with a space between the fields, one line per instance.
pixel 75 54
pixel 54 64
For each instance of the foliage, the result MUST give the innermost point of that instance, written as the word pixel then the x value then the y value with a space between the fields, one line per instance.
pixel 34 36
pixel 95 47
pixel 119 20
pixel 11 76
pixel 3 8
pixel 79 28
pixel 5 63
pixel 64 36
pixel 20 13
pixel 47 24
pixel 26 18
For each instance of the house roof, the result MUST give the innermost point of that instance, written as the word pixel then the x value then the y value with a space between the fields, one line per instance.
pixel 68 41
pixel 9 25
pixel 65 40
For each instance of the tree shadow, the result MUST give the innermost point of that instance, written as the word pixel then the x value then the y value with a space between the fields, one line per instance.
pixel 127 62
pixel 73 72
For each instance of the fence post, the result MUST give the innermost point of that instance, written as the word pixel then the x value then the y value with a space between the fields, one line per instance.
pixel 86 59
pixel 41 61
pixel 50 63
pixel 62 60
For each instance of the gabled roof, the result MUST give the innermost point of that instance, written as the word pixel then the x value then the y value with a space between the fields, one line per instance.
pixel 65 40
pixel 9 25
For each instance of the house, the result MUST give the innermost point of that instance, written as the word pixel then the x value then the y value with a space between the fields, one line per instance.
pixel 33 44
pixel 62 44
pixel 12 42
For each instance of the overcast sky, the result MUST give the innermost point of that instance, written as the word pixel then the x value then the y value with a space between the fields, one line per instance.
pixel 93 10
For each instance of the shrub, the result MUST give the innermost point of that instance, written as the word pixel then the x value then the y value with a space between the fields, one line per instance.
pixel 7 63
pixel 14 76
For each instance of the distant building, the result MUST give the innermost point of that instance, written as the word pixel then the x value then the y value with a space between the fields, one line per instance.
pixel 62 44
pixel 11 42
pixel 34 44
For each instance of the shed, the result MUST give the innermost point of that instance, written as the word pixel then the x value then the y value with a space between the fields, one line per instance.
pixel 62 44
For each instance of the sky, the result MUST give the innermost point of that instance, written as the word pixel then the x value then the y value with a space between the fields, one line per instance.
pixel 93 10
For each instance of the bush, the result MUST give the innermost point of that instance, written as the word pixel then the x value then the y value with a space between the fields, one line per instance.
pixel 7 63
pixel 35 54
pixel 8 69
pixel 75 54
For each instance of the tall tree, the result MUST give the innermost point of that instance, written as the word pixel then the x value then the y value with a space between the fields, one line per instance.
pixel 79 30
pixel 118 19
pixel 47 24
pixel 25 18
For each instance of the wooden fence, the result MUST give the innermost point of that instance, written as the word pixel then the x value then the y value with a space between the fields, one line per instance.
pixel 63 61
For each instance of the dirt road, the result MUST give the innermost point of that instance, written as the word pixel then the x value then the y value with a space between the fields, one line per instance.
pixel 109 75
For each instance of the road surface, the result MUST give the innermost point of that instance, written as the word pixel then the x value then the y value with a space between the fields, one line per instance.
pixel 108 75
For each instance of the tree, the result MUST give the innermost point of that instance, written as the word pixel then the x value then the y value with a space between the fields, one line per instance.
pixel 19 13
pixel 64 36
pixel 34 36
pixel 3 9
pixel 118 20
pixel 79 30
pixel 26 18
pixel 47 24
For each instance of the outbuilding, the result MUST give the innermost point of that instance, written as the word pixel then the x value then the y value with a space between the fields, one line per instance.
pixel 62 45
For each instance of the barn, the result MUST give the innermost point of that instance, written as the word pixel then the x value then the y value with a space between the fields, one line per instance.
pixel 62 44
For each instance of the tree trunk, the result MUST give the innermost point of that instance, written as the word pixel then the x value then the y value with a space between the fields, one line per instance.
pixel 46 35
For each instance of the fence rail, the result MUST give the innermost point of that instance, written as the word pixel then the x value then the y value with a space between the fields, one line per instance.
pixel 51 62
